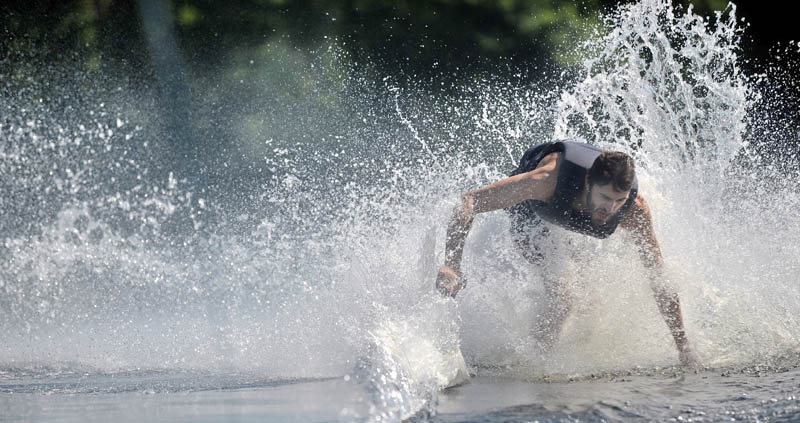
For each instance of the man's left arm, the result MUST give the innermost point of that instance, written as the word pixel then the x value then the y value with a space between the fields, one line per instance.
pixel 639 221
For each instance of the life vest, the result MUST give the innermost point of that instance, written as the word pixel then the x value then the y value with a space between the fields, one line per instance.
pixel 577 158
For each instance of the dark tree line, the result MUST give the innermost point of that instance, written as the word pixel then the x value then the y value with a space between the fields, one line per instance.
pixel 412 37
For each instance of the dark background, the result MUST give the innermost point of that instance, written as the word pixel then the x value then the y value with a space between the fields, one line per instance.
pixel 457 35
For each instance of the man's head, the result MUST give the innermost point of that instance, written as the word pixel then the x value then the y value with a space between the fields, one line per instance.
pixel 608 184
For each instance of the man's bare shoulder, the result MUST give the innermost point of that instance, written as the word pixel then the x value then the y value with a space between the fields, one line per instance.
pixel 538 184
pixel 546 175
pixel 640 204
pixel 550 162
pixel 638 216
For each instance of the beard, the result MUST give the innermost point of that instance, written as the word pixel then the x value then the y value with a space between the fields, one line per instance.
pixel 594 211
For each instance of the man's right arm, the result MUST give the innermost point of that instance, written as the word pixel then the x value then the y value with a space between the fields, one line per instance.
pixel 538 184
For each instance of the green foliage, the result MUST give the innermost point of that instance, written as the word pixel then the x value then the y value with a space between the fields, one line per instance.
pixel 260 73
pixel 707 6
pixel 407 36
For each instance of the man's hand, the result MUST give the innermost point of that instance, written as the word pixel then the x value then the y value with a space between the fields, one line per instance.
pixel 450 281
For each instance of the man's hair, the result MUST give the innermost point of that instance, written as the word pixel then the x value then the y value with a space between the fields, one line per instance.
pixel 613 167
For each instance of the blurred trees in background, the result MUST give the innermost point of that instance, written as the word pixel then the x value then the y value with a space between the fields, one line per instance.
pixel 241 78
pixel 412 37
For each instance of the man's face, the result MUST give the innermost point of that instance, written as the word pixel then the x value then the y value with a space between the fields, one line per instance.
pixel 604 201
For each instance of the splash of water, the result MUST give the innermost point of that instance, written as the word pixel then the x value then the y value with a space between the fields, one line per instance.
pixel 669 88
pixel 340 244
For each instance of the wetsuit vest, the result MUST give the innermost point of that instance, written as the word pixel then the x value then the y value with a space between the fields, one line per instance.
pixel 577 158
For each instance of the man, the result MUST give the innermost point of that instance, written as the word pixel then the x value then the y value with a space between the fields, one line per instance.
pixel 578 187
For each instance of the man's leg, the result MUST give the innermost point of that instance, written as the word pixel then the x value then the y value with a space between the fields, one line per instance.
pixel 547 327
pixel 531 236
pixel 528 233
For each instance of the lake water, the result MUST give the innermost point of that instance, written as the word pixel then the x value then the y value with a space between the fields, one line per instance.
pixel 654 395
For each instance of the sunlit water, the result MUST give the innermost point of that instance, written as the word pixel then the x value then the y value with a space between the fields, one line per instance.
pixel 132 294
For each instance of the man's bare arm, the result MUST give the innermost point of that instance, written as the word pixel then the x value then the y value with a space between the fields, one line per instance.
pixel 639 221
pixel 538 184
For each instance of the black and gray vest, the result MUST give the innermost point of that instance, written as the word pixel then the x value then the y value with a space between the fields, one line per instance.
pixel 577 159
